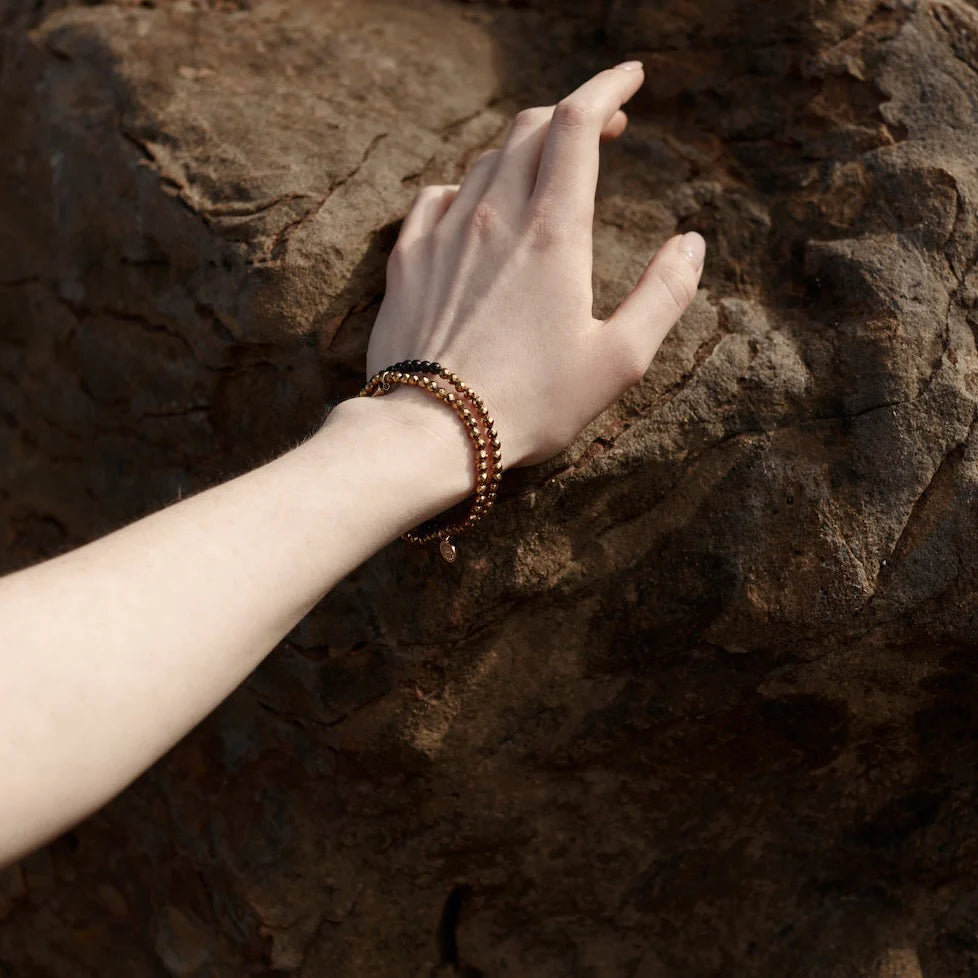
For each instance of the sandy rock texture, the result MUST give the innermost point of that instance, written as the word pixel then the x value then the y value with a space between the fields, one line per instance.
pixel 700 700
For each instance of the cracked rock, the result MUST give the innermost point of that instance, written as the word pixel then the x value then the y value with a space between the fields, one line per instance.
pixel 701 699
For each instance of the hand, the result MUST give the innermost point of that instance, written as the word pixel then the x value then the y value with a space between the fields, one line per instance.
pixel 493 279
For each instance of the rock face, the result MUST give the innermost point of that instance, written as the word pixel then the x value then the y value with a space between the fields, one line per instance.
pixel 701 698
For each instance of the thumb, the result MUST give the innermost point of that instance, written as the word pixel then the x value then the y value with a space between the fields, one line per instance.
pixel 661 295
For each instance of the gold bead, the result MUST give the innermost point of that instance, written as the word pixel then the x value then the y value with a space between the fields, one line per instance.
pixel 471 409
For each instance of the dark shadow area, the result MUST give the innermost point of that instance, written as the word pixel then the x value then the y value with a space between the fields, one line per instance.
pixel 699 702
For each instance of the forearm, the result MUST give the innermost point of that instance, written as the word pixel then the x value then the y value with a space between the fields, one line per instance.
pixel 112 652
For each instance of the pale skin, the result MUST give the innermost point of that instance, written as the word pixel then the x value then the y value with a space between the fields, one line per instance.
pixel 110 653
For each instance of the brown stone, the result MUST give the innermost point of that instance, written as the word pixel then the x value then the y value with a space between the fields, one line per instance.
pixel 701 700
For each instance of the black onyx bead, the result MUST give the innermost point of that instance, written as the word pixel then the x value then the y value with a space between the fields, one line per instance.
pixel 426 366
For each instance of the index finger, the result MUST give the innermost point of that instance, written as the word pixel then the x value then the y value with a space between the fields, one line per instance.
pixel 568 172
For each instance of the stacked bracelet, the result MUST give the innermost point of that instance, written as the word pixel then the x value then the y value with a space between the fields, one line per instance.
pixel 479 426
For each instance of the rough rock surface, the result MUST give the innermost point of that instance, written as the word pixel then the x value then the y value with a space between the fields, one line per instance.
pixel 701 699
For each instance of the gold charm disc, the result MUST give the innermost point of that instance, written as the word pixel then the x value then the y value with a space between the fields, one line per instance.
pixel 447 549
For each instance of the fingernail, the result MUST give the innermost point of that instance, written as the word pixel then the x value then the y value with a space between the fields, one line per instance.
pixel 630 65
pixel 693 247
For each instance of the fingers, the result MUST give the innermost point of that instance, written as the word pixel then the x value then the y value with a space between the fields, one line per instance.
pixel 508 176
pixel 515 175
pixel 568 172
pixel 660 297
pixel 473 186
pixel 427 210
pixel 617 125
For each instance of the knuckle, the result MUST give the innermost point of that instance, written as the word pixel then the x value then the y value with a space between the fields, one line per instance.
pixel 570 114
pixel 527 118
pixel 635 370
pixel 544 227
pixel 483 220
pixel 543 233
pixel 633 363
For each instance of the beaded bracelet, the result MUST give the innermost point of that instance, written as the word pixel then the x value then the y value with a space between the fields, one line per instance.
pixel 479 426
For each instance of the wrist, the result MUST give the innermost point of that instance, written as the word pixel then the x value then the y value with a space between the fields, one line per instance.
pixel 423 442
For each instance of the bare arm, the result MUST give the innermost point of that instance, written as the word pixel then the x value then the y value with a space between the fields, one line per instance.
pixel 111 653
